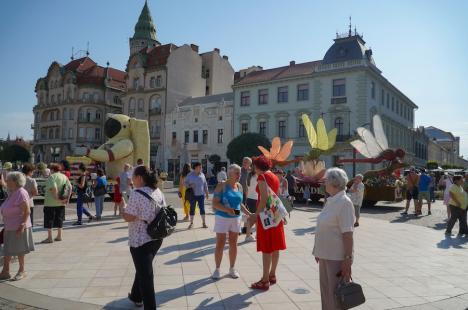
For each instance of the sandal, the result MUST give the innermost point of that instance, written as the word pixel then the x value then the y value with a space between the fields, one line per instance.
pixel 47 241
pixel 58 239
pixel 260 285
pixel 272 279
pixel 19 276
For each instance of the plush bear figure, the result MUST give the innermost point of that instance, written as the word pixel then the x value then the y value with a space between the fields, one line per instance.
pixel 128 141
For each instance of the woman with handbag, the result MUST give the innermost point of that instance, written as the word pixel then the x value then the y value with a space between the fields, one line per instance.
pixel 272 240
pixel 138 213
pixel 99 192
pixel 81 196
pixel 333 249
pixel 17 233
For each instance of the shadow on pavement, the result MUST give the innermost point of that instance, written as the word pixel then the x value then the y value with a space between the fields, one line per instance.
pixel 187 246
pixel 304 231
pixel 450 242
pixel 194 256
pixel 118 240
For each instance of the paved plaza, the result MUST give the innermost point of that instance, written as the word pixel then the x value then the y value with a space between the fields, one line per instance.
pixel 398 264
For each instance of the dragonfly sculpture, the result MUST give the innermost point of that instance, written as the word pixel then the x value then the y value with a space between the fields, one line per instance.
pixel 374 146
pixel 278 154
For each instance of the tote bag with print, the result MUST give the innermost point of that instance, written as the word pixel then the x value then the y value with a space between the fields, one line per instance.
pixel 274 211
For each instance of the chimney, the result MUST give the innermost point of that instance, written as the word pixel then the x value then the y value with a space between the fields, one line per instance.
pixel 225 57
pixel 292 63
pixel 217 50
pixel 194 47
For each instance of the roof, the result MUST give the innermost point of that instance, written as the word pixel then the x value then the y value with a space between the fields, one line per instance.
pixel 439 134
pixel 290 71
pixel 144 28
pixel 207 99
pixel 347 48
pixel 154 56
pixel 87 71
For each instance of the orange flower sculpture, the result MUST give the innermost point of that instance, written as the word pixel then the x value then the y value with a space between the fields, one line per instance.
pixel 277 154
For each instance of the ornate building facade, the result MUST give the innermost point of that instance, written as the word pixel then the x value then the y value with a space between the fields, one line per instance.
pixel 72 103
pixel 346 88
pixel 160 76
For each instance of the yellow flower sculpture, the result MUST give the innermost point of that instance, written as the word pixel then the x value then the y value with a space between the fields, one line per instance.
pixel 320 141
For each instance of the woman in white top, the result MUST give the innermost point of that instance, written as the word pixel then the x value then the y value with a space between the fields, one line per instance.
pixel 333 249
pixel 447 183
pixel 356 193
pixel 143 206
pixel 251 202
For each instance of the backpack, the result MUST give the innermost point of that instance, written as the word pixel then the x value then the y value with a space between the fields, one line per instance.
pixel 165 221
pixel 64 192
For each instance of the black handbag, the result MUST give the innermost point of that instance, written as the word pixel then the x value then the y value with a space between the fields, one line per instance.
pixel 165 221
pixel 349 295
pixel 189 194
pixel 99 191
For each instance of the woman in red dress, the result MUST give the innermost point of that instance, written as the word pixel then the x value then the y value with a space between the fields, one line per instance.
pixel 272 240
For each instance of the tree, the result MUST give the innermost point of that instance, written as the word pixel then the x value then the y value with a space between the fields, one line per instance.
pixel 432 165
pixel 214 159
pixel 14 153
pixel 246 145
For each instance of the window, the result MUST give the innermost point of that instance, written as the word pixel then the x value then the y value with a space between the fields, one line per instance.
pixel 393 104
pixel 70 133
pixel 71 114
pixel 263 96
pixel 302 132
pixel 245 98
pixel 141 105
pixel 262 128
pixel 116 99
pixel 155 103
pixel 81 132
pixel 97 134
pixel 244 128
pixel 195 136
pixel 51 133
pixel 52 99
pixel 90 134
pixel 282 129
pixel 96 97
pixel 382 97
pixel 64 113
pixel 174 122
pixel 69 96
pixel 88 115
pixel 302 92
pixel 372 90
pixel 205 136
pixel 282 94
pixel 57 133
pixel 388 101
pixel 136 82
pixel 174 135
pixel 398 107
pixel 339 88
pixel 158 81
pixel 59 98
pixel 131 105
pixel 220 118
pixel 339 125
pixel 196 120
pixel 98 115
pixel 186 136
pixel 153 82
pixel 220 136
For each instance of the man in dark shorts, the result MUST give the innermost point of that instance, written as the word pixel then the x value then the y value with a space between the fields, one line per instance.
pixel 57 194
pixel 412 192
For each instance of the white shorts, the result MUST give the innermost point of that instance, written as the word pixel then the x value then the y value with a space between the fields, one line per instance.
pixel 226 224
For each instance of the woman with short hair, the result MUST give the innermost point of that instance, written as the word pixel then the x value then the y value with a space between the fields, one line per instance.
pixel 81 197
pixel 30 187
pixel 227 203
pixel 333 249
pixel 269 241
pixel 17 234
pixel 144 204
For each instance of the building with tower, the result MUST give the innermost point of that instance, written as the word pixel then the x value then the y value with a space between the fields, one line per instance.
pixel 346 88
pixel 160 76
pixel 72 102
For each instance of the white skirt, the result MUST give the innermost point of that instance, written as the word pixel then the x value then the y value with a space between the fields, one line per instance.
pixel 227 224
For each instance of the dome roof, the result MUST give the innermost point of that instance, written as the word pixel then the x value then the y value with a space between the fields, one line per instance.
pixel 350 47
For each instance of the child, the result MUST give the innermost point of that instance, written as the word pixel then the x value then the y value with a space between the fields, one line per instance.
pixel 118 201
pixel 306 194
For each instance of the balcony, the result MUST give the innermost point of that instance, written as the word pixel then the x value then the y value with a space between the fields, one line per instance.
pixel 89 120
pixel 155 111
pixel 193 146
pixel 338 100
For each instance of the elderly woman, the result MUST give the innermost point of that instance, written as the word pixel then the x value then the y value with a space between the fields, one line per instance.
pixel 356 193
pixel 144 204
pixel 269 241
pixel 227 203
pixel 333 249
pixel 17 235
pixel 30 187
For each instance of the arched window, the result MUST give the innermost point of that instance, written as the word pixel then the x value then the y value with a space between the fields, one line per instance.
pixel 88 115
pixel 57 115
pixel 98 114
pixel 131 105
pixel 339 125
pixel 155 103
pixel 64 113
pixel 153 82
pixel 71 114
pixel 141 105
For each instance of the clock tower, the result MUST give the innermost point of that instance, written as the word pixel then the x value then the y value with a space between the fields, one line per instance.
pixel 145 32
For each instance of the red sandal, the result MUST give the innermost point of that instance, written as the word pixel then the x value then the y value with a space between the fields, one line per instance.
pixel 260 285
pixel 272 279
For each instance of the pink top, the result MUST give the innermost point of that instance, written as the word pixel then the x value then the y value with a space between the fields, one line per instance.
pixel 141 207
pixel 12 212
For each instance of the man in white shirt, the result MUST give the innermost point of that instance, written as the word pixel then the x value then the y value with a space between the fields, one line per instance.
pixel 222 176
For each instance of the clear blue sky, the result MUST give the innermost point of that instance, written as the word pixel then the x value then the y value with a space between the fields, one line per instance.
pixel 421 46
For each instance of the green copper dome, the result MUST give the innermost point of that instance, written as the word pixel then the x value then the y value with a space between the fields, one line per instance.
pixel 144 28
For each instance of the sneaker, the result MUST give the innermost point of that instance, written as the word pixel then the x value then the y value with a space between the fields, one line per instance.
pixel 250 238
pixel 216 274
pixel 404 213
pixel 429 213
pixel 356 224
pixel 233 273
pixel 19 276
pixel 77 223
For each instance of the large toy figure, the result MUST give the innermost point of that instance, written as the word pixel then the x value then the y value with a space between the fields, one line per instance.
pixel 128 141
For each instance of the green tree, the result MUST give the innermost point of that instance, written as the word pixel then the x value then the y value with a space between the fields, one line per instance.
pixel 432 165
pixel 14 153
pixel 246 145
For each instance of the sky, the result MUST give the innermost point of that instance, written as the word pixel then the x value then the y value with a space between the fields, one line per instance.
pixel 421 46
